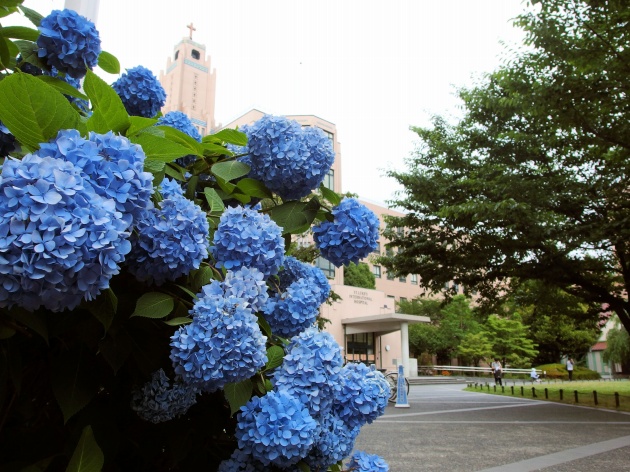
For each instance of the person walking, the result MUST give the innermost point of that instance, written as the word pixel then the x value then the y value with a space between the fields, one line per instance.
pixel 570 365
pixel 497 371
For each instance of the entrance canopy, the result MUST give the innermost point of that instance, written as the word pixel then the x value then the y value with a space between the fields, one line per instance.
pixel 380 324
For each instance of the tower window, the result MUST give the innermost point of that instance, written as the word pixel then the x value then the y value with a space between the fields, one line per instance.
pixel 176 54
pixel 195 54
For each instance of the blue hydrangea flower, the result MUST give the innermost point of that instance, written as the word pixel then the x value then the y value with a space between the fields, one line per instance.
pixel 334 443
pixel 294 269
pixel 81 104
pixel 292 311
pixel 247 284
pixel 275 429
pixel 363 395
pixel 351 236
pixel 310 370
pixel 69 42
pixel 241 462
pixel 364 462
pixel 169 241
pixel 157 401
pixel 60 242
pixel 114 165
pixel 289 160
pixel 140 92
pixel 223 344
pixel 246 238
pixel 7 141
pixel 181 122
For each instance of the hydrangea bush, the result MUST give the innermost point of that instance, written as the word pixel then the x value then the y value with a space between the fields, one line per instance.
pixel 150 316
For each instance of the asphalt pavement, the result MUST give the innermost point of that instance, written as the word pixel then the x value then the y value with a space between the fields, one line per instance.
pixel 448 429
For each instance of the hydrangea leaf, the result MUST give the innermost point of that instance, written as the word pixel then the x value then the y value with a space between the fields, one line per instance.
pixel 33 111
pixel 108 63
pixel 178 321
pixel 200 277
pixel 215 150
pixel 275 354
pixel 329 195
pixel 32 15
pixel 115 348
pixel 20 32
pixel 230 170
pixel 87 457
pixel 104 307
pixel 28 52
pixel 109 113
pixel 303 467
pixel 35 321
pixel 230 136
pixel 177 136
pixel 73 381
pixel 139 123
pixel 158 148
pixel 264 326
pixel 254 188
pixel 63 86
pixel 154 305
pixel 293 216
pixel 5 54
pixel 238 394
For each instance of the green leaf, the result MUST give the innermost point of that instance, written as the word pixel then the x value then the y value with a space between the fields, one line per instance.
pixel 154 305
pixel 33 111
pixel 303 467
pixel 108 63
pixel 39 466
pixel 115 348
pixel 178 321
pixel 178 137
pixel 275 355
pixel 36 321
pixel 231 136
pixel 32 15
pixel 20 32
pixel 214 201
pixel 5 54
pixel 230 170
pixel 138 123
pixel 215 150
pixel 238 394
pixel 293 217
pixel 264 325
pixel 87 456
pixel 108 113
pixel 104 307
pixel 329 195
pixel 63 86
pixel 200 277
pixel 73 381
pixel 254 188
pixel 28 51
pixel 158 148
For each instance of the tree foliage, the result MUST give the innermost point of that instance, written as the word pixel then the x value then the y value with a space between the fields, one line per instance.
pixel 532 182
pixel 617 347
pixel 359 275
pixel 510 341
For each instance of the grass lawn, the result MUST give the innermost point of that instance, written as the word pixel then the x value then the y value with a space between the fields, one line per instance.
pixel 608 393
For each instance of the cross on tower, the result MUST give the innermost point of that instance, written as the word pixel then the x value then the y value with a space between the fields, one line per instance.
pixel 191 28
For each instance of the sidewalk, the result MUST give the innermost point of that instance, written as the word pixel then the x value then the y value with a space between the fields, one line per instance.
pixel 448 429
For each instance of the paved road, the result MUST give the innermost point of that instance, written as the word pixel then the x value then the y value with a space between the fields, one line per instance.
pixel 448 429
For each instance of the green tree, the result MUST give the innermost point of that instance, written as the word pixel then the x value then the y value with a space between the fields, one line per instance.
pixel 475 347
pixel 617 347
pixel 532 182
pixel 510 341
pixel 359 275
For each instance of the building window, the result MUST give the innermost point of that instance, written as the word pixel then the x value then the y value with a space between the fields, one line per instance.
pixel 456 288
pixel 402 279
pixel 195 54
pixel 414 279
pixel 326 266
pixel 176 54
pixel 389 252
pixel 329 134
pixel 447 285
pixel 390 275
pixel 360 348
pixel 377 250
pixel 376 270
pixel 329 180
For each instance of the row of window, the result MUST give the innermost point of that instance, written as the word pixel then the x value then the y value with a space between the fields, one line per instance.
pixel 376 270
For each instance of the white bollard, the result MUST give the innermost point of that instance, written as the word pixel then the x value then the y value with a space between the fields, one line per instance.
pixel 401 394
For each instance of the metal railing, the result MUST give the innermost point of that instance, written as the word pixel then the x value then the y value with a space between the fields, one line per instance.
pixel 466 369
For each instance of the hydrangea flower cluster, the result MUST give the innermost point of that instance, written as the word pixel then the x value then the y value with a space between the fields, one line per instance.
pixel 334 443
pixel 171 240
pixel 290 160
pixel 276 429
pixel 157 401
pixel 294 269
pixel 310 370
pixel 246 238
pixel 363 397
pixel 140 91
pixel 364 462
pixel 247 284
pixel 114 165
pixel 292 311
pixel 241 462
pixel 351 236
pixel 60 241
pixel 69 42
pixel 181 122
pixel 7 141
pixel 223 344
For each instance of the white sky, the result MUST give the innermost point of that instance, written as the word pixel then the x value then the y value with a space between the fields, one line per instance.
pixel 374 68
